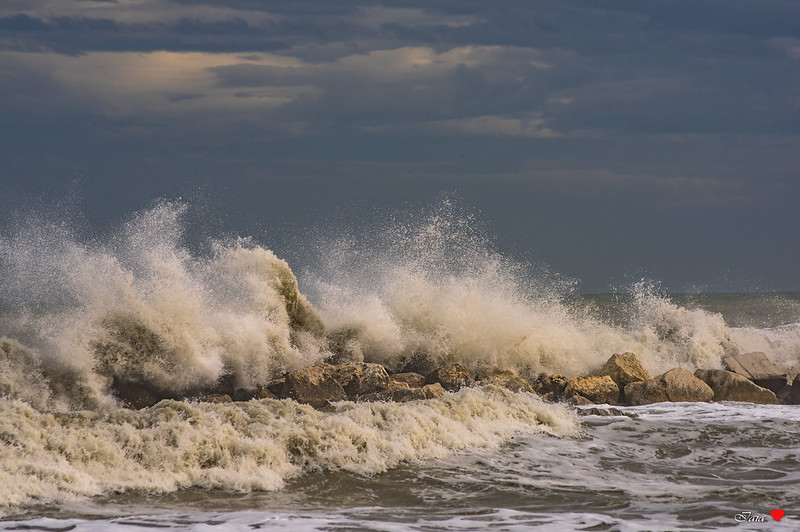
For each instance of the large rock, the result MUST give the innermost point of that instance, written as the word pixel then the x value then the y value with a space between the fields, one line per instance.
pixel 646 392
pixel 433 391
pixel 135 395
pixel 598 390
pixel 413 379
pixel 312 385
pixel 794 395
pixel 550 387
pixel 758 368
pixel 507 379
pixel 676 385
pixel 399 392
pixel 624 368
pixel 729 386
pixel 359 379
pixel 451 378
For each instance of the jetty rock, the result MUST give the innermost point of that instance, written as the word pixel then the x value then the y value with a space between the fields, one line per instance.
pixel 624 368
pixel 413 379
pixel 401 392
pixel 597 390
pixel 359 379
pixel 794 393
pixel 312 385
pixel 433 391
pixel 506 379
pixel 452 378
pixel 729 386
pixel 676 385
pixel 758 368
pixel 550 387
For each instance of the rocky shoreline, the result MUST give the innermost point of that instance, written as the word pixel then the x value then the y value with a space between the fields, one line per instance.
pixel 622 380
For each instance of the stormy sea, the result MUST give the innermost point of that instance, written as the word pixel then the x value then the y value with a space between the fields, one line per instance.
pixel 81 316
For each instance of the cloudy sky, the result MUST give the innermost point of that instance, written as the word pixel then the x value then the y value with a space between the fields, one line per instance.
pixel 612 140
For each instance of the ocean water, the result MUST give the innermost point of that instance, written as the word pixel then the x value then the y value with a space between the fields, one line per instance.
pixel 80 315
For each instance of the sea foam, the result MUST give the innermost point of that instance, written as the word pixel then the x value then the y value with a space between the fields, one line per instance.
pixel 51 457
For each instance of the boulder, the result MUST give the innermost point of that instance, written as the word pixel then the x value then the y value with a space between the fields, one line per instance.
pixel 277 387
pixel 421 363
pixel 312 385
pixel 785 395
pixel 401 392
pixel 682 385
pixel 624 368
pixel 136 396
pixel 676 385
pixel 758 368
pixel 433 391
pixel 729 386
pixel 451 378
pixel 579 400
pixel 507 379
pixel 550 387
pixel 794 395
pixel 259 392
pixel 646 392
pixel 359 379
pixel 397 391
pixel 599 390
pixel 413 379
pixel 214 398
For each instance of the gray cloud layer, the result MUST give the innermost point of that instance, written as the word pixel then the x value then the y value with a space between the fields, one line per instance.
pixel 544 114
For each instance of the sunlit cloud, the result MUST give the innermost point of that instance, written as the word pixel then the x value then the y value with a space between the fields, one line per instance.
pixel 127 83
pixel 497 126
pixel 132 11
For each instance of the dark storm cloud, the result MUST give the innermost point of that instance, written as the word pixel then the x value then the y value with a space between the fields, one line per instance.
pixel 641 116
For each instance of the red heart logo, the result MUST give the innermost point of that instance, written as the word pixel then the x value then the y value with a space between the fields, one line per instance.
pixel 777 514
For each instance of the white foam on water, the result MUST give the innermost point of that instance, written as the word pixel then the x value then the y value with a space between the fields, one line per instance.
pixel 47 457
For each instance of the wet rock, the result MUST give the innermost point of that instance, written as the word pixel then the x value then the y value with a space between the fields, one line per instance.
pixel 259 392
pixel 312 385
pixel 277 387
pixel 507 379
pixel 359 379
pixel 729 386
pixel 397 391
pixel 413 379
pixel 785 395
pixel 401 392
pixel 758 368
pixel 646 392
pixel 605 412
pixel 135 395
pixel 451 378
pixel 676 385
pixel 420 363
pixel 579 400
pixel 794 395
pixel 550 387
pixel 433 391
pixel 624 368
pixel 214 398
pixel 598 390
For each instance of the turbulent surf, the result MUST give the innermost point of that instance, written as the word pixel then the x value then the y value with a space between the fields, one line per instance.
pixel 81 318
